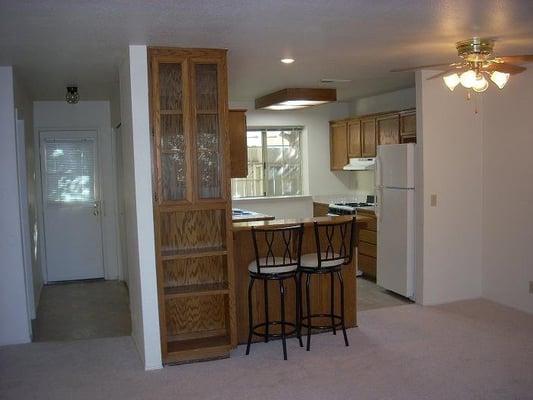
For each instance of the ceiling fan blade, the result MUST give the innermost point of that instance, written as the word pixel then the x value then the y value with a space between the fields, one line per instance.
pixel 520 59
pixel 505 68
pixel 457 70
pixel 437 66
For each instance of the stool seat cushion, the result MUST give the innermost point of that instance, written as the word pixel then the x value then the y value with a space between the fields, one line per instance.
pixel 310 260
pixel 266 270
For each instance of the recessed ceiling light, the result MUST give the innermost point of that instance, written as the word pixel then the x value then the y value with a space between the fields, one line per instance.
pixel 287 60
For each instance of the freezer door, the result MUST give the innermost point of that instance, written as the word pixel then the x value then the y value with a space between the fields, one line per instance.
pixel 395 258
pixel 396 165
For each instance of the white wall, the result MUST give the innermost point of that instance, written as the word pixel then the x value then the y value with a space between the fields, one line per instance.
pixel 135 132
pixel 14 318
pixel 52 115
pixel 284 207
pixel 508 193
pixel 392 101
pixel 317 177
pixel 24 107
pixel 449 135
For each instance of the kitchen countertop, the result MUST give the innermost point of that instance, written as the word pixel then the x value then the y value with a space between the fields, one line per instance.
pixel 243 226
pixel 250 216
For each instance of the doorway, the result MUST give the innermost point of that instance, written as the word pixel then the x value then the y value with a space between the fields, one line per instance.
pixel 71 205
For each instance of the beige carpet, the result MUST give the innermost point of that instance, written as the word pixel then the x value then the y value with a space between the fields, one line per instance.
pixel 466 350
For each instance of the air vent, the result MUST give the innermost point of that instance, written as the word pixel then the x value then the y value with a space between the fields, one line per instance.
pixel 333 80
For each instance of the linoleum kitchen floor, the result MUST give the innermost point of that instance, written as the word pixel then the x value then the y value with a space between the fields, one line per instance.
pixel 466 350
pixel 82 310
pixel 370 296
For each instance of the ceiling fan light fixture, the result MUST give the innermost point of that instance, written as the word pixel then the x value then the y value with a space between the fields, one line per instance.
pixel 499 78
pixel 468 78
pixel 452 81
pixel 480 84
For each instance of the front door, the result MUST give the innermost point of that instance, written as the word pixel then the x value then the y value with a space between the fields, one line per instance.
pixel 71 205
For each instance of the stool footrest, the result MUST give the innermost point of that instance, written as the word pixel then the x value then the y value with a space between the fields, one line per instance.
pixel 305 323
pixel 273 335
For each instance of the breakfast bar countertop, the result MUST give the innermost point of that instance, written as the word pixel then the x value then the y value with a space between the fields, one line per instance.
pixel 361 221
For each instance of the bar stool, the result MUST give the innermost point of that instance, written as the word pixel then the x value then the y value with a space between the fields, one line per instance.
pixel 334 249
pixel 277 256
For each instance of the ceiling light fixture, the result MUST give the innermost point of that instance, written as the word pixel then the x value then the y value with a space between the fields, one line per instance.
pixel 287 60
pixel 295 98
pixel 72 96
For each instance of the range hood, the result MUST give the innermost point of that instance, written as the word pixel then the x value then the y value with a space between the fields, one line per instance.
pixel 360 164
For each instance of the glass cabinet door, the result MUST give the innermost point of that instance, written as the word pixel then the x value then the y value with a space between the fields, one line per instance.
pixel 208 148
pixel 171 136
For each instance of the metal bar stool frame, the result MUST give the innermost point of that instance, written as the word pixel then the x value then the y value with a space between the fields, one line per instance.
pixel 344 257
pixel 290 235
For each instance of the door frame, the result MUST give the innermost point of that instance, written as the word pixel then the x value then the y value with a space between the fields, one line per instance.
pixel 41 133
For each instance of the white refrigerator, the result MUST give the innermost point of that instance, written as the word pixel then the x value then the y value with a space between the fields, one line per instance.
pixel 395 192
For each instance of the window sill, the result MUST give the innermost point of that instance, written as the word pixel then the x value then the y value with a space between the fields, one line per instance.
pixel 267 198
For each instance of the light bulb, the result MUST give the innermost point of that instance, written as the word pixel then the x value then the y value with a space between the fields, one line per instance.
pixel 468 79
pixel 499 78
pixel 452 81
pixel 480 84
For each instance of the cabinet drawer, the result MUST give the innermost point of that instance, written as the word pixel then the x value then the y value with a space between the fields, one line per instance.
pixel 367 265
pixel 368 236
pixel 367 249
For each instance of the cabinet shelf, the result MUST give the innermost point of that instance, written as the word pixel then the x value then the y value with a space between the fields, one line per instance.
pixel 167 255
pixel 205 289
pixel 191 348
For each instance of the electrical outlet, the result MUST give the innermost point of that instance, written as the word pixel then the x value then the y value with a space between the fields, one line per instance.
pixel 531 287
pixel 433 200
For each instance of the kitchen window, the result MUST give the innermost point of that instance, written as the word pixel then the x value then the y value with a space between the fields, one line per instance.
pixel 274 163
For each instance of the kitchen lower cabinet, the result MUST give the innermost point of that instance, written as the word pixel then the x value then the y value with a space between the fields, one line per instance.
pixel 367 247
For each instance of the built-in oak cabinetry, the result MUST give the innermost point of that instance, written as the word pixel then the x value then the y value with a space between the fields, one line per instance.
pixel 192 203
pixel 359 137
pixel 338 145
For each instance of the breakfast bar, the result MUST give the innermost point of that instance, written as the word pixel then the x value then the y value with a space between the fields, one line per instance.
pixel 243 253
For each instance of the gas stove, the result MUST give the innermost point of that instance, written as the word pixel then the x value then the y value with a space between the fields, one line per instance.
pixel 346 208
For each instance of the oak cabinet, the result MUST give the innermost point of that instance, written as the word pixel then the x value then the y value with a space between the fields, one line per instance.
pixel 368 137
pixel 408 126
pixel 388 129
pixel 320 209
pixel 354 138
pixel 238 145
pixel 192 203
pixel 338 145
pixel 367 248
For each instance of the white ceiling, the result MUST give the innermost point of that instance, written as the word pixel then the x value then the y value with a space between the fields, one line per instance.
pixel 56 42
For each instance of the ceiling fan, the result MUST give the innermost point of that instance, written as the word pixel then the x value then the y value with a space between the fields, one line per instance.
pixel 478 63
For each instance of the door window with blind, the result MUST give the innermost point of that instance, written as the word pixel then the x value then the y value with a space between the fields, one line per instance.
pixel 274 163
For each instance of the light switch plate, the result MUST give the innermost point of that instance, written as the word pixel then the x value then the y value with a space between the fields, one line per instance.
pixel 433 200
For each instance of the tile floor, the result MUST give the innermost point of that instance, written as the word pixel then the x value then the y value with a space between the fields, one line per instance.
pixel 371 297
pixel 82 310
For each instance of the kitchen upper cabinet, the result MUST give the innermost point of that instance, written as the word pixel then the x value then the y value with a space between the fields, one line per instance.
pixel 408 126
pixel 388 127
pixel 238 145
pixel 368 137
pixel 338 143
pixel 354 138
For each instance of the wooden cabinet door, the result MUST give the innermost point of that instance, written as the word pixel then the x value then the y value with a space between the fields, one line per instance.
pixel 338 145
pixel 354 138
pixel 209 112
pixel 388 128
pixel 368 137
pixel 408 126
pixel 173 178
pixel 238 144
